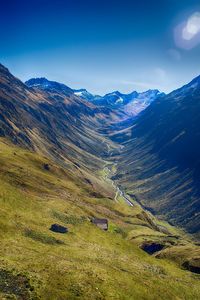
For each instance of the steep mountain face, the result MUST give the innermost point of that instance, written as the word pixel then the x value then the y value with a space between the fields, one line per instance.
pixel 141 102
pixel 160 163
pixel 49 111
pixel 51 120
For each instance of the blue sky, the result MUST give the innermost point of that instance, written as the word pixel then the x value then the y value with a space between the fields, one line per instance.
pixel 103 45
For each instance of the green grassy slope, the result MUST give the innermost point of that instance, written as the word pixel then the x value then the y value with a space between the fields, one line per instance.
pixel 86 262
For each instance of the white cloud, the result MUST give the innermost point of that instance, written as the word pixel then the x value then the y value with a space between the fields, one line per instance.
pixel 137 83
pixel 157 79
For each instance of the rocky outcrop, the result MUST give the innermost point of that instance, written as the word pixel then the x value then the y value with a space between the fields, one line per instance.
pixel 192 265
pixel 152 247
pixel 58 228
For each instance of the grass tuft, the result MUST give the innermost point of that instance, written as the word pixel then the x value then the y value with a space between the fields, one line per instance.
pixel 42 237
pixel 69 219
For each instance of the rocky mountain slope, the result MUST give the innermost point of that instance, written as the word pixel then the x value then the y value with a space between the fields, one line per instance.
pixel 160 163
pixel 50 119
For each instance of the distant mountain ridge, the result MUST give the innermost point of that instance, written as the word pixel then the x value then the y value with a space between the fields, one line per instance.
pixel 46 84
pixel 132 103
pixel 118 99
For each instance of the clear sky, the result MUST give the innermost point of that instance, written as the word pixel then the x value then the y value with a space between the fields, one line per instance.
pixel 103 45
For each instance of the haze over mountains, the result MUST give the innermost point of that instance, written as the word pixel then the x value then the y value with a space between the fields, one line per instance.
pixel 68 156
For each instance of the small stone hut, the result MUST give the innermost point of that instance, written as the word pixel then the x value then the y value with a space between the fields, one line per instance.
pixel 101 223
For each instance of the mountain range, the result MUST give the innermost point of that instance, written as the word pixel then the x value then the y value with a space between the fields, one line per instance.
pixel 68 157
pixel 132 103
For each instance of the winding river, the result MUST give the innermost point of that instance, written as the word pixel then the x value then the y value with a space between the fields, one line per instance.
pixel 118 191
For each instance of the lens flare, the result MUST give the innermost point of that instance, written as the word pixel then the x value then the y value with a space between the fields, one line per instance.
pixel 187 34
pixel 192 27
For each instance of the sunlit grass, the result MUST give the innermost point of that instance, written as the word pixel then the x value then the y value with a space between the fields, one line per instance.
pixel 86 261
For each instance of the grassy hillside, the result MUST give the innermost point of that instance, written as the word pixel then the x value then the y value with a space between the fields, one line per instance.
pixel 39 264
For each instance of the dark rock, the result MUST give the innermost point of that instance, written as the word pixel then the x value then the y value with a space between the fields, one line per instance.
pixel 152 247
pixel 193 265
pixel 46 167
pixel 58 228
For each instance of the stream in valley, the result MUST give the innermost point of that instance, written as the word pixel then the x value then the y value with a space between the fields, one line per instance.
pixel 118 191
